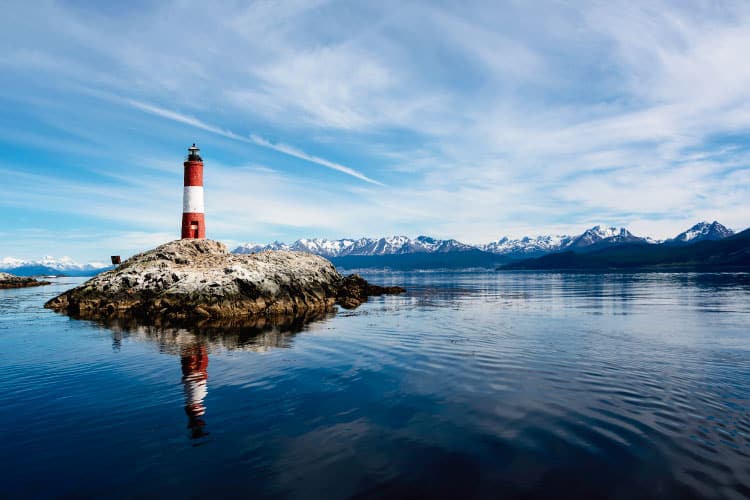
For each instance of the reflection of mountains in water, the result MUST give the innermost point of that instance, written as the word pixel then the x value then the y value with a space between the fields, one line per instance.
pixel 258 334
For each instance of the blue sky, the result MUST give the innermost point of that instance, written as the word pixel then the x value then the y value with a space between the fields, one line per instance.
pixel 470 120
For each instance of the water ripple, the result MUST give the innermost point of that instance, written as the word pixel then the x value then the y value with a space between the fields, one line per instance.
pixel 469 385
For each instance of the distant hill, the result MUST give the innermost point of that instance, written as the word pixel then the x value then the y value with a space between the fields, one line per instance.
pixel 473 258
pixel 50 266
pixel 729 253
pixel 33 270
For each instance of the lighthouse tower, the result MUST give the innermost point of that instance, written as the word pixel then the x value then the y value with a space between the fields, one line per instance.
pixel 193 217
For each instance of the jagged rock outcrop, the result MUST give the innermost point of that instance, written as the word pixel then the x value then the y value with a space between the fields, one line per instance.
pixel 200 279
pixel 13 281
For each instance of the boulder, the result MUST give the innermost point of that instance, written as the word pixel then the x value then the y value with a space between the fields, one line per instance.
pixel 200 280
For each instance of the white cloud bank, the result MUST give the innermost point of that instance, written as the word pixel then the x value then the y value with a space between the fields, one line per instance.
pixel 470 121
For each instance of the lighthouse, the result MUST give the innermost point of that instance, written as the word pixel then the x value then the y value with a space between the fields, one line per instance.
pixel 193 216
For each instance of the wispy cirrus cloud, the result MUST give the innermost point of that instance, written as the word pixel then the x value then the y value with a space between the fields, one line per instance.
pixel 252 139
pixel 184 119
pixel 292 151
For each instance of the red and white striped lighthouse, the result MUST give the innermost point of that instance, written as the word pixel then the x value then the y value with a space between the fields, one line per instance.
pixel 193 217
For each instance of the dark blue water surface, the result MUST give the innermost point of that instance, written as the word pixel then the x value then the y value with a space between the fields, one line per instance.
pixel 470 385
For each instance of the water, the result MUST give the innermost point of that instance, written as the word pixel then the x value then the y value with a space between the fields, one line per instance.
pixel 470 385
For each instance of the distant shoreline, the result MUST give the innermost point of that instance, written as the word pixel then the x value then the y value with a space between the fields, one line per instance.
pixel 8 281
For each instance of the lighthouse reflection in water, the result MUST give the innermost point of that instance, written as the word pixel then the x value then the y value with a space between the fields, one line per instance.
pixel 194 345
pixel 193 354
pixel 194 360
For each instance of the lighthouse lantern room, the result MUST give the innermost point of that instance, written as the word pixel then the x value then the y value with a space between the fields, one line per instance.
pixel 193 216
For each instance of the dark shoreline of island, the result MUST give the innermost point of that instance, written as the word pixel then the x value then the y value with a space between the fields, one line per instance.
pixel 8 281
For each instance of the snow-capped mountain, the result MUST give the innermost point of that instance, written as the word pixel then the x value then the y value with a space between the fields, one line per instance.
pixel 326 248
pixel 703 231
pixel 592 239
pixel 595 238
pixel 527 246
pixel 599 237
pixel 249 248
pixel 393 245
pixel 50 265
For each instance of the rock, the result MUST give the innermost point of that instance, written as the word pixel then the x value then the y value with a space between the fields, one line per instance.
pixel 354 290
pixel 200 280
pixel 12 281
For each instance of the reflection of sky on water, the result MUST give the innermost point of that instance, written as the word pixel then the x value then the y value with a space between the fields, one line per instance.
pixel 470 384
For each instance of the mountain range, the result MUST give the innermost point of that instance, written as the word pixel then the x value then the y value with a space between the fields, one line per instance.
pixel 731 253
pixel 51 266
pixel 394 245
pixel 424 251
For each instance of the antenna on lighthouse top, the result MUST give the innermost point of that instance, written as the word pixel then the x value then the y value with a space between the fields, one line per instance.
pixel 193 153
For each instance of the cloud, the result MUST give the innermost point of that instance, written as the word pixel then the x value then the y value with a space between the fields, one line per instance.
pixel 185 119
pixel 254 139
pixel 484 119
pixel 292 151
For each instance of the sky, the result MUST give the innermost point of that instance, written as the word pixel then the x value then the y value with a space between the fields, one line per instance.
pixel 467 120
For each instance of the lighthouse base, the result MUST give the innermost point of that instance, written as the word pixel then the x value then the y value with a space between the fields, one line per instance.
pixel 193 226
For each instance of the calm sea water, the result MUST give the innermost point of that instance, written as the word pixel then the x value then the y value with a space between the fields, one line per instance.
pixel 470 385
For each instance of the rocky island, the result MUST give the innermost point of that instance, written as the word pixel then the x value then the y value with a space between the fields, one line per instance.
pixel 13 281
pixel 201 280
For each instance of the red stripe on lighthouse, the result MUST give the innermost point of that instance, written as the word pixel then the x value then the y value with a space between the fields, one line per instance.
pixel 193 173
pixel 193 217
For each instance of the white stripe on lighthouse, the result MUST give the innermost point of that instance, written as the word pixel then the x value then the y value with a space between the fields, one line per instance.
pixel 192 200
